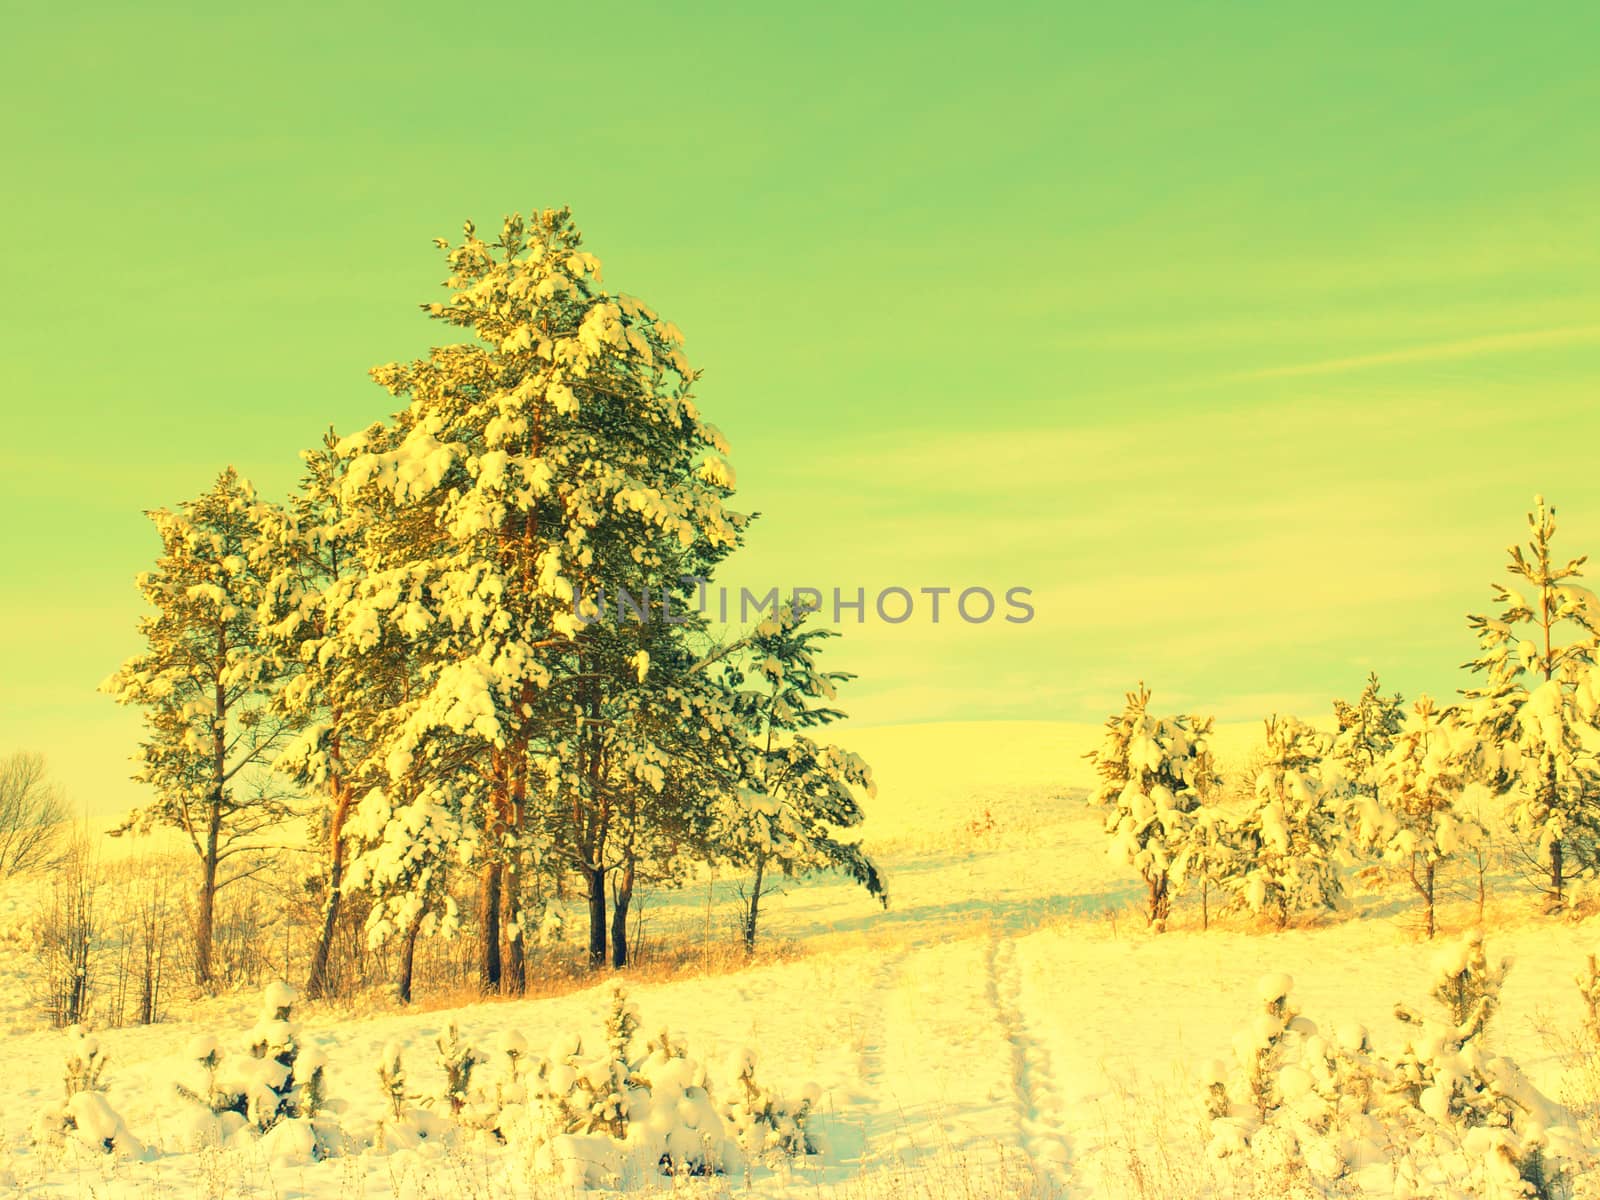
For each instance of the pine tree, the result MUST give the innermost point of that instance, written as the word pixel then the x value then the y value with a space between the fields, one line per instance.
pixel 630 792
pixel 315 557
pixel 1366 731
pixel 792 794
pixel 1205 855
pixel 205 681
pixel 1538 702
pixel 558 451
pixel 1423 775
pixel 457 1060
pixel 1153 771
pixel 1291 838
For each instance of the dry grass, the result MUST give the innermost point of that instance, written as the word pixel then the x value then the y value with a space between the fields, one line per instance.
pixel 562 974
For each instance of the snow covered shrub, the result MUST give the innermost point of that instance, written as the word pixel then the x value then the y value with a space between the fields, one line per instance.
pixel 591 1094
pixel 679 1129
pixel 478 1104
pixel 764 1123
pixel 287 1079
pixel 84 1116
pixel 85 1062
pixel 511 1087
pixel 612 1114
pixel 277 1082
pixel 1291 838
pixel 1266 1104
pixel 403 1125
pixel 584 1111
pixel 458 1060
pixel 1466 985
pixel 1471 1111
pixel 1444 1118
pixel 214 1092
pixel 1153 773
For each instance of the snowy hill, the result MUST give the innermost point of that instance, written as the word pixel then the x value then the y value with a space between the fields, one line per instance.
pixel 933 778
pixel 1007 1028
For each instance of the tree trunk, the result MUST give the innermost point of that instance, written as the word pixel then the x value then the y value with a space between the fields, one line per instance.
pixel 516 976
pixel 1160 902
pixel 205 917
pixel 317 977
pixel 1483 882
pixel 489 928
pixel 753 910
pixel 621 901
pixel 1205 905
pixel 595 877
pixel 408 960
pixel 148 983
pixel 1556 879
pixel 1427 895
pixel 516 972
pixel 516 980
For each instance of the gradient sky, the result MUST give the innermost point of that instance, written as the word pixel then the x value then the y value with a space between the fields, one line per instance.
pixel 1243 334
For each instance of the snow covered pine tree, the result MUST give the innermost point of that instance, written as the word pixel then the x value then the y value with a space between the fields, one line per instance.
pixel 792 794
pixel 1423 775
pixel 1292 838
pixel 1366 730
pixel 205 681
pixel 557 452
pixel 1539 701
pixel 1153 771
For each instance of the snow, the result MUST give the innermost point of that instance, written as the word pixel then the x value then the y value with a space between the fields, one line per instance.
pixel 1008 1018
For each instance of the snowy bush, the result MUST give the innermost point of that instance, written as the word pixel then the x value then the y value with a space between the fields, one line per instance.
pixel 1280 1100
pixel 403 1125
pixel 614 1115
pixel 588 1101
pixel 607 1118
pixel 457 1060
pixel 276 1087
pixel 1445 1117
pixel 84 1116
pixel 1483 1116
pixel 764 1123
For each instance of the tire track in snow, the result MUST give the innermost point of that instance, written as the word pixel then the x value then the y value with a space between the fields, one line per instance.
pixel 1037 1100
pixel 872 1049
pixel 869 1113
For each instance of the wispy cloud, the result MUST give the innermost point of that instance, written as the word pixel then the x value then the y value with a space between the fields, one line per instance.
pixel 1496 343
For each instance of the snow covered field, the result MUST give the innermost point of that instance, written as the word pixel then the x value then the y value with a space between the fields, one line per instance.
pixel 1008 1028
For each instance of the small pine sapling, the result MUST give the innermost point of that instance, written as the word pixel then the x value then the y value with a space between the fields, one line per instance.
pixel 458 1060
pixel 215 1092
pixel 84 1114
pixel 1291 835
pixel 392 1078
pixel 1153 772
pixel 285 1080
pixel 764 1123
pixel 1477 1105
